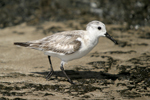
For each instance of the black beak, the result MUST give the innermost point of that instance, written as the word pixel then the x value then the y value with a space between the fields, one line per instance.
pixel 109 37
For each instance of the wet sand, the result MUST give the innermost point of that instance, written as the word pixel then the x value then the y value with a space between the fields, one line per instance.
pixel 109 71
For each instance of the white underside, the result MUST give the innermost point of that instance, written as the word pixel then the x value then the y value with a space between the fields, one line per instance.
pixel 85 48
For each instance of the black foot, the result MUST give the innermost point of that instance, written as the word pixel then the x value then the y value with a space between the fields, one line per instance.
pixel 71 82
pixel 49 75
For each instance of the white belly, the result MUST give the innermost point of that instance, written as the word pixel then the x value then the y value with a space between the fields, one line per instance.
pixel 78 54
pixel 85 48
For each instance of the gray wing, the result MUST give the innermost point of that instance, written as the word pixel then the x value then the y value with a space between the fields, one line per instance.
pixel 65 42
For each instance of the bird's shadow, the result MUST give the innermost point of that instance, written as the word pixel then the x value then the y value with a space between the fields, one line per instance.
pixel 74 75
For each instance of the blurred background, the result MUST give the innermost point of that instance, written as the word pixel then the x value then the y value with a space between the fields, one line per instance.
pixel 132 13
pixel 108 72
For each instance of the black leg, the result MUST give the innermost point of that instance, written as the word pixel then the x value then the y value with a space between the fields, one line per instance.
pixel 62 68
pixel 51 71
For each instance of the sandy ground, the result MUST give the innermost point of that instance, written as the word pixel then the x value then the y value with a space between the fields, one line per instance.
pixel 109 71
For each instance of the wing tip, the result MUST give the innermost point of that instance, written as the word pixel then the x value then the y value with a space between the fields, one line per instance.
pixel 24 44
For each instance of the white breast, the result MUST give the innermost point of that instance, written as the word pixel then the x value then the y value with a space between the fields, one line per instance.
pixel 86 47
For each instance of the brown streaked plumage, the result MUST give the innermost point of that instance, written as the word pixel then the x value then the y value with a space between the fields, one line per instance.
pixel 63 42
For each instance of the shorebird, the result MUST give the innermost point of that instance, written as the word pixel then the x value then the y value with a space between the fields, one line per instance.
pixel 69 45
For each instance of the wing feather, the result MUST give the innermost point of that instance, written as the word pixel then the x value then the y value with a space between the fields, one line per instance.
pixel 64 42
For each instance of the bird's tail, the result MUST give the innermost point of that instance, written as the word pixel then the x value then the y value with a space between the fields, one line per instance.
pixel 24 44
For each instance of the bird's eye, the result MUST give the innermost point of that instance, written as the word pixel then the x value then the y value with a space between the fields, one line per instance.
pixel 99 28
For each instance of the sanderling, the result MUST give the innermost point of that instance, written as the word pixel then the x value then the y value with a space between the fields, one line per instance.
pixel 69 45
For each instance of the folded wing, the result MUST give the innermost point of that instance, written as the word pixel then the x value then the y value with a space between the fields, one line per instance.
pixel 60 43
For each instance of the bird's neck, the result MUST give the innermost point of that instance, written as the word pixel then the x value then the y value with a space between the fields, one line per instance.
pixel 93 39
